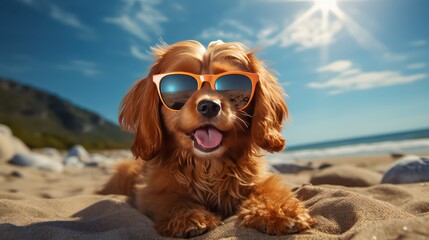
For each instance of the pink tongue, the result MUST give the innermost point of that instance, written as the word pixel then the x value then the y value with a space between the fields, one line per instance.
pixel 208 137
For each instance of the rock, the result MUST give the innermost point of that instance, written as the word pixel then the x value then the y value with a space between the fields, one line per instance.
pixel 292 168
pixel 79 152
pixel 16 173
pixel 346 176
pixel 9 145
pixel 409 169
pixel 5 130
pixel 73 161
pixel 52 153
pixel 97 159
pixel 397 155
pixel 6 147
pixel 325 165
pixel 19 146
pixel 37 161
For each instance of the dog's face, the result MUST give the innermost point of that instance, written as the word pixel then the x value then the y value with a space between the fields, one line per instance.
pixel 208 125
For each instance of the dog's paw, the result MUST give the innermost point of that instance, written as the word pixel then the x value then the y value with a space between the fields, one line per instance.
pixel 187 224
pixel 276 219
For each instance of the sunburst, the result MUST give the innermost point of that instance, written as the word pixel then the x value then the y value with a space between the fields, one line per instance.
pixel 331 7
pixel 326 5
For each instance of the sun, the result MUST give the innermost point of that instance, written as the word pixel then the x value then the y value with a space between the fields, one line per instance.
pixel 325 5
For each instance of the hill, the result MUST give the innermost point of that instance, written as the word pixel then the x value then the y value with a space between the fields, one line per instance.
pixel 42 119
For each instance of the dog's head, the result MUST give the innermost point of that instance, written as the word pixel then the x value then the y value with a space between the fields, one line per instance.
pixel 208 125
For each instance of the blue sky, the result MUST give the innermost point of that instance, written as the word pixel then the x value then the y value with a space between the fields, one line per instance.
pixel 359 69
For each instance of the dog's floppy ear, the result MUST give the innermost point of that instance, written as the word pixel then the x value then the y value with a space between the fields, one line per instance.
pixel 139 113
pixel 269 109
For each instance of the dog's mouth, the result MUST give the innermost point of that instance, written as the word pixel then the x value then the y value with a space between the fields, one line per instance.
pixel 207 139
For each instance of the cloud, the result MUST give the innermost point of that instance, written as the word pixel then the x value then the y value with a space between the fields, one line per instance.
pixel 60 15
pixel 238 25
pixel 338 66
pixel 305 35
pixel 87 68
pixel 140 18
pixel 135 52
pixel 416 66
pixel 228 30
pixel 354 79
pixel 419 43
pixel 394 57
pixel 67 18
pixel 212 33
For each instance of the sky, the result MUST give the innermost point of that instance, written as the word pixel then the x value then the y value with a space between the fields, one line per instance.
pixel 351 68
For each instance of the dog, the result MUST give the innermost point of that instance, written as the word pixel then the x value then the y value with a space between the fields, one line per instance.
pixel 201 120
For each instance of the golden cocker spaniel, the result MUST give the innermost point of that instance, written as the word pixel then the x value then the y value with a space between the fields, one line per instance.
pixel 202 119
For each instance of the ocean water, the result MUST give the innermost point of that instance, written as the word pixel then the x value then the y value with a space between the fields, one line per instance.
pixel 410 142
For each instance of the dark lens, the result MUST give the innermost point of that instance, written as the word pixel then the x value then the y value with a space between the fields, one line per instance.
pixel 235 87
pixel 176 89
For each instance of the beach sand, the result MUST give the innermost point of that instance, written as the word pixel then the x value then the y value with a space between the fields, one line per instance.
pixel 36 204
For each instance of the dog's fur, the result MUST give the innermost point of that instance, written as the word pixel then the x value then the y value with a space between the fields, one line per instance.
pixel 185 191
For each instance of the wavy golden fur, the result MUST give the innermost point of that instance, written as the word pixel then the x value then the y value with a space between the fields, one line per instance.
pixel 187 192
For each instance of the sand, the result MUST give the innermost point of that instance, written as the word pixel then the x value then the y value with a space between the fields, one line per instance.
pixel 36 204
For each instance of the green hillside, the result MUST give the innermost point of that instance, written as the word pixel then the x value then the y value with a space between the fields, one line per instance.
pixel 41 119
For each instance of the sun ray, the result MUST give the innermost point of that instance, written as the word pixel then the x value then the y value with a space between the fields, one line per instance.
pixel 331 14
pixel 362 37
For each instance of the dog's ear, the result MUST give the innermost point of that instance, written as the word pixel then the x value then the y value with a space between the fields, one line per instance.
pixel 269 109
pixel 139 114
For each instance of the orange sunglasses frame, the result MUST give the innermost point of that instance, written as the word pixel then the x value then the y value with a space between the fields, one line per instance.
pixel 254 78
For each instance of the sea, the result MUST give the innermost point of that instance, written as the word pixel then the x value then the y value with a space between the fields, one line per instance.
pixel 407 142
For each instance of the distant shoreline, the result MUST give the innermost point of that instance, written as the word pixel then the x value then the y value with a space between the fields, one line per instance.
pixel 396 136
pixel 374 149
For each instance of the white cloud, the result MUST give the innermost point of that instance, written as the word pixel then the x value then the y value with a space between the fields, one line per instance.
pixel 228 30
pixel 212 33
pixel 419 43
pixel 337 66
pixel 305 35
pixel 264 33
pixel 87 68
pixel 67 18
pixel 354 79
pixel 59 14
pixel 416 66
pixel 135 51
pixel 238 25
pixel 394 57
pixel 140 18
pixel 301 34
pixel 349 72
pixel 176 6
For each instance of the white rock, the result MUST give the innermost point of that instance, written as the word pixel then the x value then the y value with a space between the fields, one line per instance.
pixel 5 130
pixel 51 153
pixel 79 152
pixel 9 145
pixel 6 148
pixel 409 169
pixel 19 146
pixel 73 161
pixel 100 160
pixel 37 161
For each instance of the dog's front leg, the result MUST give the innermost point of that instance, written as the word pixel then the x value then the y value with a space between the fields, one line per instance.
pixel 272 208
pixel 183 218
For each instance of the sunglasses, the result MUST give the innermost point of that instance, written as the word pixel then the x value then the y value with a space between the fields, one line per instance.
pixel 176 88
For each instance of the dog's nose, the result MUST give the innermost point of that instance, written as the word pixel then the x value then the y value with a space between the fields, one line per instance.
pixel 208 108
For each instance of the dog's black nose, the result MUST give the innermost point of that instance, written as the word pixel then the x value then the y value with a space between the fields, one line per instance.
pixel 208 108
